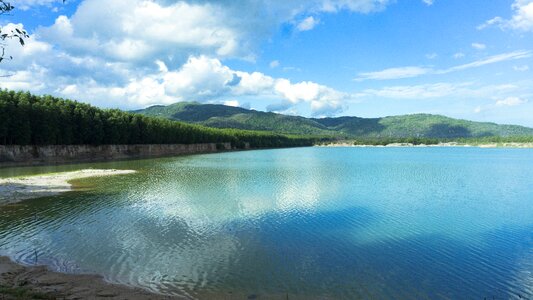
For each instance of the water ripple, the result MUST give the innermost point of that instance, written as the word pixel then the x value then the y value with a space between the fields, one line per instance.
pixel 307 223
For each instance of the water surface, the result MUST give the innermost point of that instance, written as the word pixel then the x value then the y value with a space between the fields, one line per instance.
pixel 425 223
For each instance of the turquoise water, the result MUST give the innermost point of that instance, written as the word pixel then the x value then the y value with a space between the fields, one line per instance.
pixel 339 223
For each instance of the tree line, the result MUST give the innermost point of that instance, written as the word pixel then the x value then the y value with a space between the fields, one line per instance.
pixel 434 141
pixel 27 119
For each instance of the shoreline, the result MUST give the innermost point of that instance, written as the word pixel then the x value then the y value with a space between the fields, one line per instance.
pixel 17 189
pixel 42 155
pixel 451 144
pixel 38 282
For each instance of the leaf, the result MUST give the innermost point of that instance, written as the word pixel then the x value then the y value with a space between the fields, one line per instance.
pixel 21 41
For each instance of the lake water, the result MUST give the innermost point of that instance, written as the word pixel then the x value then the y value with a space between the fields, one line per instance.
pixel 339 223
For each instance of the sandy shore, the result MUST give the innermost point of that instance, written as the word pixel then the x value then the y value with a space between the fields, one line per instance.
pixel 20 282
pixel 14 190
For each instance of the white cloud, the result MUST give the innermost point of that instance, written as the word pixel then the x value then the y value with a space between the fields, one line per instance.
pixel 501 103
pixel 510 101
pixel 141 30
pixel 489 60
pixel 522 68
pixel 145 30
pixel 458 55
pixel 27 4
pixel 521 20
pixel 479 46
pixel 393 73
pixel 423 91
pixel 233 103
pixel 491 22
pixel 428 2
pixel 307 24
pixel 201 79
pixel 523 17
pixel 439 90
pixel 431 55
pixel 413 71
pixel 134 53
pixel 274 64
pixel 362 6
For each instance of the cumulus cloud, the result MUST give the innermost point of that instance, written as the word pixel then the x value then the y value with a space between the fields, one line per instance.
pixel 414 71
pixel 521 20
pixel 200 78
pixel 139 31
pixel 135 53
pixel 203 78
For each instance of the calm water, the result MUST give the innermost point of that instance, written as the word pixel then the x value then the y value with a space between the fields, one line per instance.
pixel 334 223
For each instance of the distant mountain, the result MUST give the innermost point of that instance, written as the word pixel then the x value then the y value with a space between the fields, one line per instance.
pixel 416 125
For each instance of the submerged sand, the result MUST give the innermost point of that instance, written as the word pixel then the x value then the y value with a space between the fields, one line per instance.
pixel 21 282
pixel 13 190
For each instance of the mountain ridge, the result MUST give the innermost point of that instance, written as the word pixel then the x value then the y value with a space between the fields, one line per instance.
pixel 402 126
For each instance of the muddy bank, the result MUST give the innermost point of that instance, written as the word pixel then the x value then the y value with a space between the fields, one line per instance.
pixel 13 190
pixel 21 282
pixel 30 155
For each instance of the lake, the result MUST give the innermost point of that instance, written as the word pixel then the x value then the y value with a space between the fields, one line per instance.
pixel 350 223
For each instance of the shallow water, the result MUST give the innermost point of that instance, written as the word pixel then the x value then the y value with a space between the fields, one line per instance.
pixel 305 223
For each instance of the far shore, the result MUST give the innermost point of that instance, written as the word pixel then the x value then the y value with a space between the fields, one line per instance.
pixel 13 190
pixel 450 144
pixel 23 282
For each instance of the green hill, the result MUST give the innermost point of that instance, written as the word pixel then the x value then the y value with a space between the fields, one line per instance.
pixel 222 116
pixel 27 119
pixel 405 126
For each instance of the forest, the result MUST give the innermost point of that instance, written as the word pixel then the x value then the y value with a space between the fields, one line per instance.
pixel 27 119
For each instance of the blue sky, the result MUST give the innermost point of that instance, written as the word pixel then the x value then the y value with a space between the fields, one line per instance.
pixel 371 58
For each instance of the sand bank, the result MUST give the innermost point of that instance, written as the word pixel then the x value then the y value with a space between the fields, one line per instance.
pixel 14 190
pixel 21 282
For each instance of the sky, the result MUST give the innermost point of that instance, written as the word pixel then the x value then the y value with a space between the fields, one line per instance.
pixel 369 58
